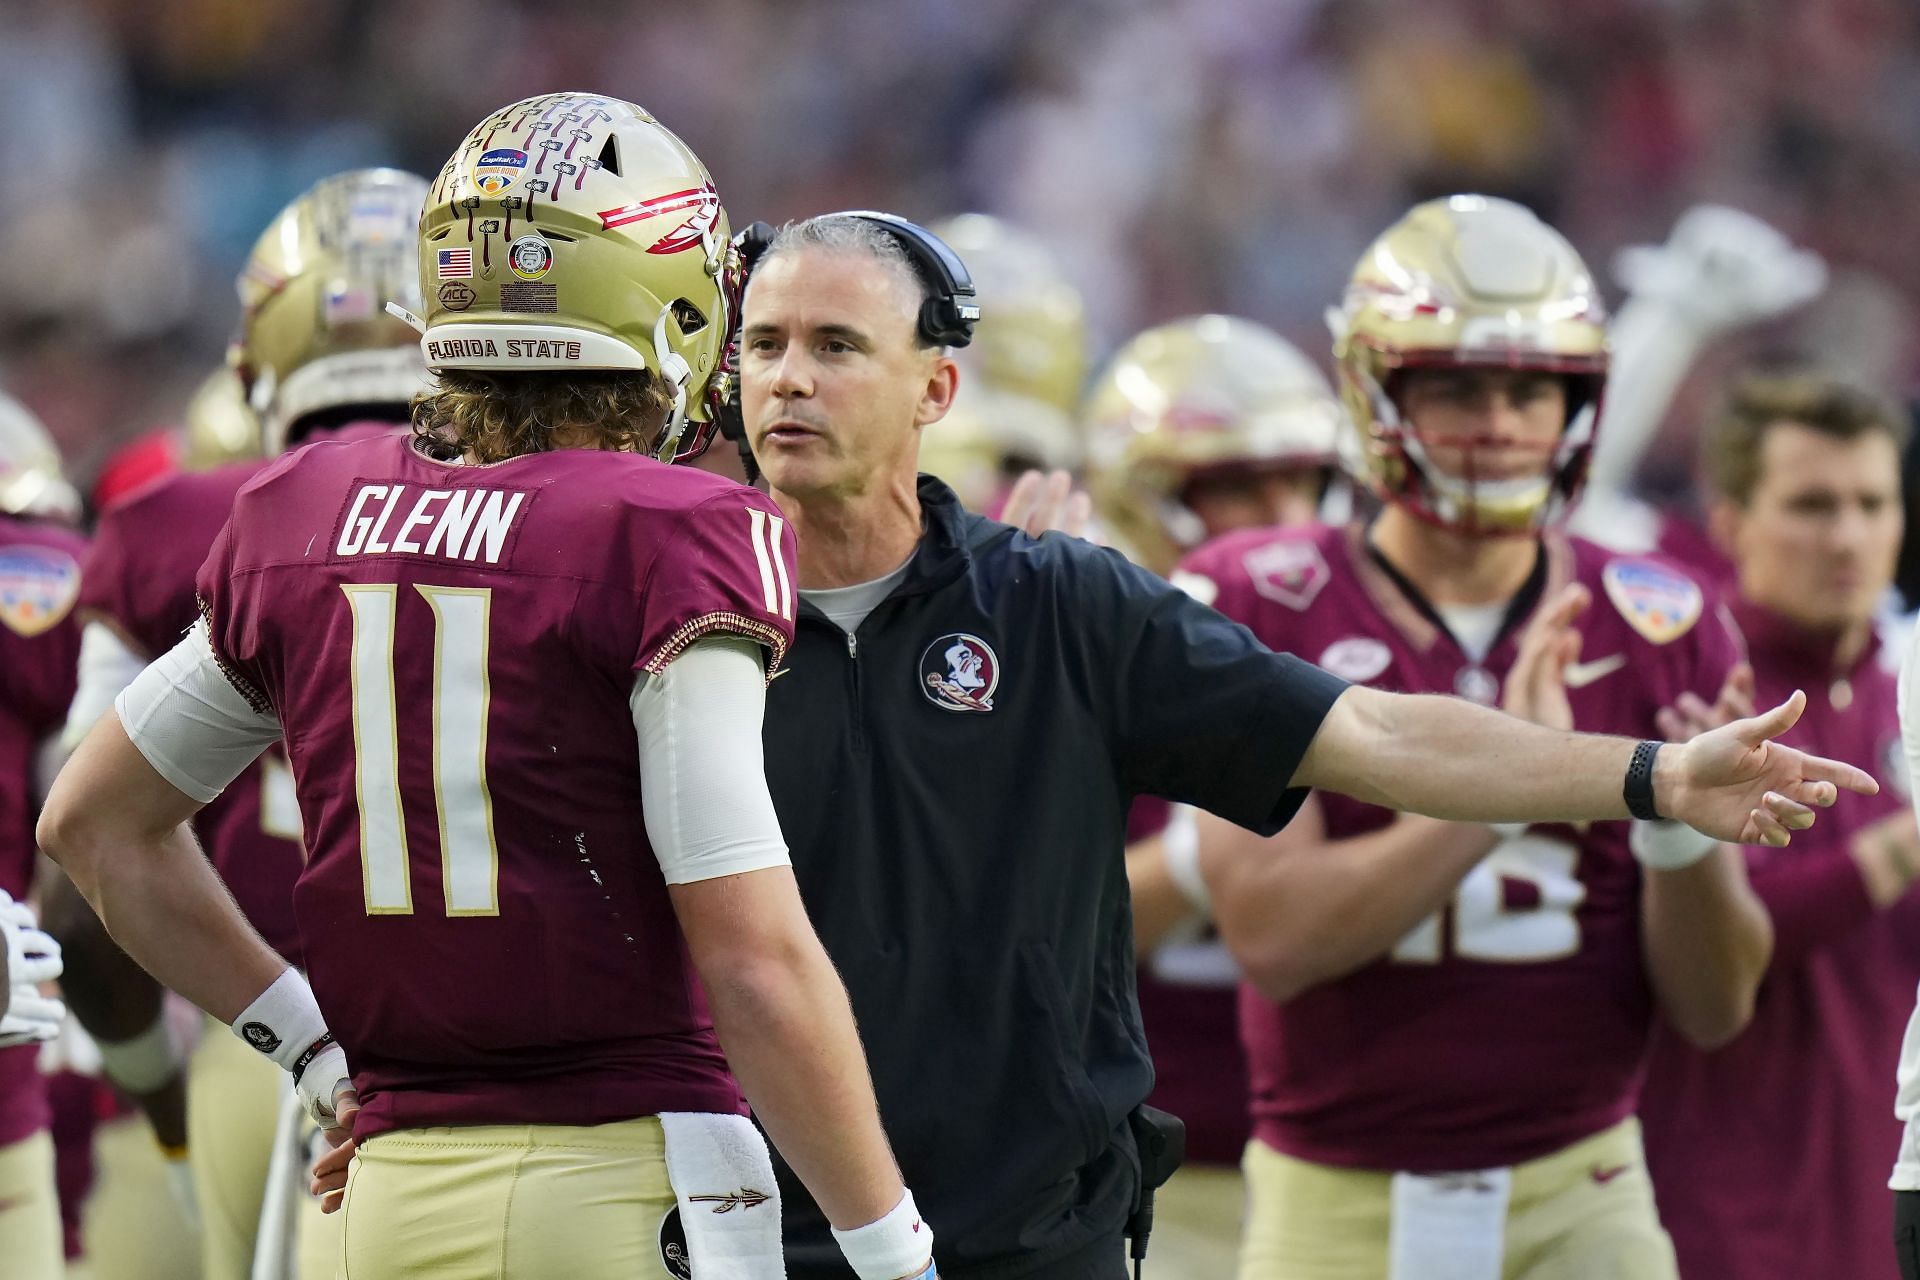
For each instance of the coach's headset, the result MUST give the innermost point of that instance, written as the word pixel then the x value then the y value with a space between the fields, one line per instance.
pixel 946 318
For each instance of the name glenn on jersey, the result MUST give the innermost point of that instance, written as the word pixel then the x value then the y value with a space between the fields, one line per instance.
pixel 471 525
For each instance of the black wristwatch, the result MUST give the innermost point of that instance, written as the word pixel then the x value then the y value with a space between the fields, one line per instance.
pixel 1639 784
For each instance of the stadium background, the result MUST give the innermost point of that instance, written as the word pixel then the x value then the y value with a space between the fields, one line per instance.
pixel 1181 155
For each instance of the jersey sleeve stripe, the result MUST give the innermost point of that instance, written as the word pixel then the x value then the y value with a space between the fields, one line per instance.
pixel 775 527
pixel 759 519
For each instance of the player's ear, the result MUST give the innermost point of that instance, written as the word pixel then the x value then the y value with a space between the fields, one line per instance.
pixel 943 381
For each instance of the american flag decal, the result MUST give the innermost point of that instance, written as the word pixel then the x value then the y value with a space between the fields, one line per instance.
pixel 456 264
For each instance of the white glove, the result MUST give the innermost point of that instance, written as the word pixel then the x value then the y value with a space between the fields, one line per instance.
pixel 32 958
pixel 1723 268
pixel 324 1084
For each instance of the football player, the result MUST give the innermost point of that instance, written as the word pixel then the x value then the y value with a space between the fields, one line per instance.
pixel 1022 372
pixel 519 666
pixel 1446 1024
pixel 1805 471
pixel 1195 429
pixel 316 355
pixel 40 559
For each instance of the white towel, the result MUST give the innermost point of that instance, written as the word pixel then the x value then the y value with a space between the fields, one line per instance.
pixel 1449 1226
pixel 729 1202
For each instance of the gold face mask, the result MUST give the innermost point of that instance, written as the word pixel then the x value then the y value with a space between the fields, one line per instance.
pixel 1209 393
pixel 1467 282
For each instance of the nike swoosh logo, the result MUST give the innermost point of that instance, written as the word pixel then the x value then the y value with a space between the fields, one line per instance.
pixel 1579 675
pixel 1604 1176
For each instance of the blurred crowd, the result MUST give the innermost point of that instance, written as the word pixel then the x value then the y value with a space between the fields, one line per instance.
pixel 1181 155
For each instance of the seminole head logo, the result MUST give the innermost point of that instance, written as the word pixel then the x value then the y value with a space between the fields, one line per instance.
pixel 959 673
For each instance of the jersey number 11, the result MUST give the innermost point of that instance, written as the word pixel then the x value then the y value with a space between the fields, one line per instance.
pixel 469 858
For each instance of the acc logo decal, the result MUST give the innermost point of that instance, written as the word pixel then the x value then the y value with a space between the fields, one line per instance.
pixel 1357 659
pixel 496 170
pixel 38 586
pixel 1290 573
pixel 530 257
pixel 959 673
pixel 1662 604
pixel 457 295
pixel 701 205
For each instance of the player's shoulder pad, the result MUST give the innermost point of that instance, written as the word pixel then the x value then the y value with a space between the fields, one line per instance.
pixel 1289 567
pixel 1659 600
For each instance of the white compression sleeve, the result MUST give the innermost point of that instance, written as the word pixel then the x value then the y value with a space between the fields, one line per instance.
pixel 189 721
pixel 702 778
pixel 107 666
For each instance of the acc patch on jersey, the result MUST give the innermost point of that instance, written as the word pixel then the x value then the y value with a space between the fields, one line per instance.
pixel 1290 573
pixel 1662 604
pixel 38 586
pixel 959 673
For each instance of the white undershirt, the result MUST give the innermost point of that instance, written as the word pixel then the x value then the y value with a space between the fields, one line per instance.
pixel 848 607
pixel 702 782
pixel 1475 626
pixel 107 666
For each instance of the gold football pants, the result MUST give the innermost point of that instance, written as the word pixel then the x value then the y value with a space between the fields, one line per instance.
pixel 31 1245
pixel 511 1202
pixel 233 1106
pixel 1585 1212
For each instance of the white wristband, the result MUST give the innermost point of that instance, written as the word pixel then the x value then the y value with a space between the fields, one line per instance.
pixel 1668 846
pixel 897 1247
pixel 142 1063
pixel 1180 847
pixel 284 1021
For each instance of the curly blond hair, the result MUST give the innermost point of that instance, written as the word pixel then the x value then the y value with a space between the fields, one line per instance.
pixel 489 417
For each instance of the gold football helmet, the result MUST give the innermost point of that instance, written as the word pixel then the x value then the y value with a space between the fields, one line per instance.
pixel 1032 336
pixel 1468 282
pixel 219 425
pixel 988 437
pixel 31 481
pixel 573 231
pixel 314 329
pixel 1205 395
pixel 1021 375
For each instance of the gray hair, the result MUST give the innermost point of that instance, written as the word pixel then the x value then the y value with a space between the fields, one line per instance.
pixel 842 233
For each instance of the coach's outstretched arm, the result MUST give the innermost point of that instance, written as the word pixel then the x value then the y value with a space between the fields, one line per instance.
pixel 1450 758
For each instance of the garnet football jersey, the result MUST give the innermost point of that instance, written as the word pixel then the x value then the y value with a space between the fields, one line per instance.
pixel 1769 1155
pixel 139 579
pixel 1515 1021
pixel 39 662
pixel 450 650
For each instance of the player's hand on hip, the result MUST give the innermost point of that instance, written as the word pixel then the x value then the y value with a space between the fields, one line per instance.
pixel 1737 784
pixel 1691 715
pixel 329 1183
pixel 1535 687
pixel 1042 501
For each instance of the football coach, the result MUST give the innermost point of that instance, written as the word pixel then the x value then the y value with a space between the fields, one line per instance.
pixel 968 711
